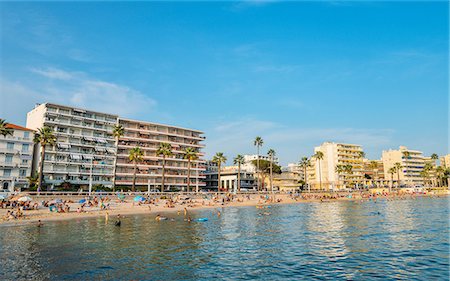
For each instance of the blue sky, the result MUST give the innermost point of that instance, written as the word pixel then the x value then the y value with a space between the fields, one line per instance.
pixel 295 73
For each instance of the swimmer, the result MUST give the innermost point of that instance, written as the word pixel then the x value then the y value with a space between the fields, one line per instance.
pixel 118 222
pixel 185 211
pixel 158 217
pixel 39 223
pixel 106 217
pixel 179 212
pixel 189 219
pixel 218 213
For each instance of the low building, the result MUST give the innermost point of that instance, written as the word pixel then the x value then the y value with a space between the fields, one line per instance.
pixel 16 155
pixel 229 179
pixel 248 162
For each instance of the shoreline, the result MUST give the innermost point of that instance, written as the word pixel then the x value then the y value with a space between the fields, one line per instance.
pixel 130 209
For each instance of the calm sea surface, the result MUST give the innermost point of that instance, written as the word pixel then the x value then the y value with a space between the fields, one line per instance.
pixel 386 240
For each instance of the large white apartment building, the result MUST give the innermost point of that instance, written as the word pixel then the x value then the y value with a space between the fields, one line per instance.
pixel 412 163
pixel 149 136
pixel 85 148
pixel 335 154
pixel 16 154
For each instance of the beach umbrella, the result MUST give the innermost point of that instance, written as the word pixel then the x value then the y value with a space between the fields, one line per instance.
pixel 82 201
pixel 138 198
pixel 24 199
pixel 55 201
pixel 58 200
pixel 121 196
pixel 2 197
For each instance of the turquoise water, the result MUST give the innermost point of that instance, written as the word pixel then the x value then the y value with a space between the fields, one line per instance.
pixel 386 240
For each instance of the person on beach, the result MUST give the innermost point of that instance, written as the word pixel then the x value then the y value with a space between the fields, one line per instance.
pixel 185 211
pixel 106 217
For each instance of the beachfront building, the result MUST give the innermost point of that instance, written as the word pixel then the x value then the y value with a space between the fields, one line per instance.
pixel 374 173
pixel 16 153
pixel 445 161
pixel 285 182
pixel 148 136
pixel 85 149
pixel 326 175
pixel 248 161
pixel 211 175
pixel 412 163
pixel 229 178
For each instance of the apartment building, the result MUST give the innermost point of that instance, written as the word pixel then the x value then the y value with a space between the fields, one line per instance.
pixel 85 147
pixel 248 161
pixel 411 161
pixel 148 136
pixel 445 161
pixel 16 153
pixel 334 154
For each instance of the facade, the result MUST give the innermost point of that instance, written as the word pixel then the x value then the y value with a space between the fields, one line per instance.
pixel 445 161
pixel 334 154
pixel 377 176
pixel 284 182
pixel 85 148
pixel 16 154
pixel 249 167
pixel 411 167
pixel 229 179
pixel 211 175
pixel 149 136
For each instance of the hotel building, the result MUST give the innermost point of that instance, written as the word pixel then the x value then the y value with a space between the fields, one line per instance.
pixel 16 153
pixel 149 136
pixel 335 154
pixel 412 166
pixel 248 165
pixel 85 147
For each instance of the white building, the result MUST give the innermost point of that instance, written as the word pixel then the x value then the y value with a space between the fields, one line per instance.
pixel 248 165
pixel 335 154
pixel 16 154
pixel 85 148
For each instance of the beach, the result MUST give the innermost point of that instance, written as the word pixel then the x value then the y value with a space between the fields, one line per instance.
pixel 111 206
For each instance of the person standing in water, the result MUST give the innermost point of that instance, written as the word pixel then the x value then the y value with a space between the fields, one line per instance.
pixel 118 222
pixel 106 217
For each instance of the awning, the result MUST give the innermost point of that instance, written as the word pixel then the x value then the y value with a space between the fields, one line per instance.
pixel 63 145
pixel 102 149
pixel 89 138
pixel 75 156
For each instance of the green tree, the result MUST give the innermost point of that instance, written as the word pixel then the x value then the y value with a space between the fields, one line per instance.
pixel 190 154
pixel 319 157
pixel 392 171
pixel 304 163
pixel 406 156
pixel 264 168
pixel 44 136
pixel 164 149
pixel 361 156
pixel 33 179
pixel 4 128
pixel 398 168
pixel 440 174
pixel 271 154
pixel 219 158
pixel 136 155
pixel 239 160
pixel 425 173
pixel 258 142
pixel 373 165
pixel 117 132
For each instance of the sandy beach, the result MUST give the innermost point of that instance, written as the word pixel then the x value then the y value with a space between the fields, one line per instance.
pixel 130 207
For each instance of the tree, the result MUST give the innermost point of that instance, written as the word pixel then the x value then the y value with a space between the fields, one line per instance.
pixel 434 156
pixel 440 173
pixel 136 155
pixel 33 179
pixel 44 136
pixel 219 158
pixel 373 165
pixel 398 168
pixel 271 154
pixel 345 170
pixel 239 160
pixel 258 142
pixel 190 154
pixel 118 131
pixel 340 169
pixel 425 173
pixel 406 155
pixel 4 130
pixel 305 163
pixel 164 149
pixel 392 171
pixel 319 157
pixel 361 155
pixel 264 168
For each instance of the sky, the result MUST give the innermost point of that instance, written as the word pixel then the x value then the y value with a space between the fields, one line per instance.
pixel 295 73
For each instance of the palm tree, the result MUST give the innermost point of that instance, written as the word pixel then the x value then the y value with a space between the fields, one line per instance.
pixel 258 142
pixel 271 154
pixel 398 168
pixel 425 173
pixel 44 136
pixel 361 155
pixel 305 163
pixel 117 132
pixel 239 160
pixel 219 158
pixel 340 169
pixel 164 149
pixel 392 171
pixel 373 165
pixel 319 157
pixel 135 155
pixel 4 130
pixel 33 179
pixel 191 155
pixel 406 155
pixel 440 172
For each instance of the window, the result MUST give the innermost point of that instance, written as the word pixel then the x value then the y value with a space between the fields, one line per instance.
pixel 10 145
pixel 7 172
pixel 8 159
pixel 26 135
pixel 24 161
pixel 25 147
pixel 23 173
